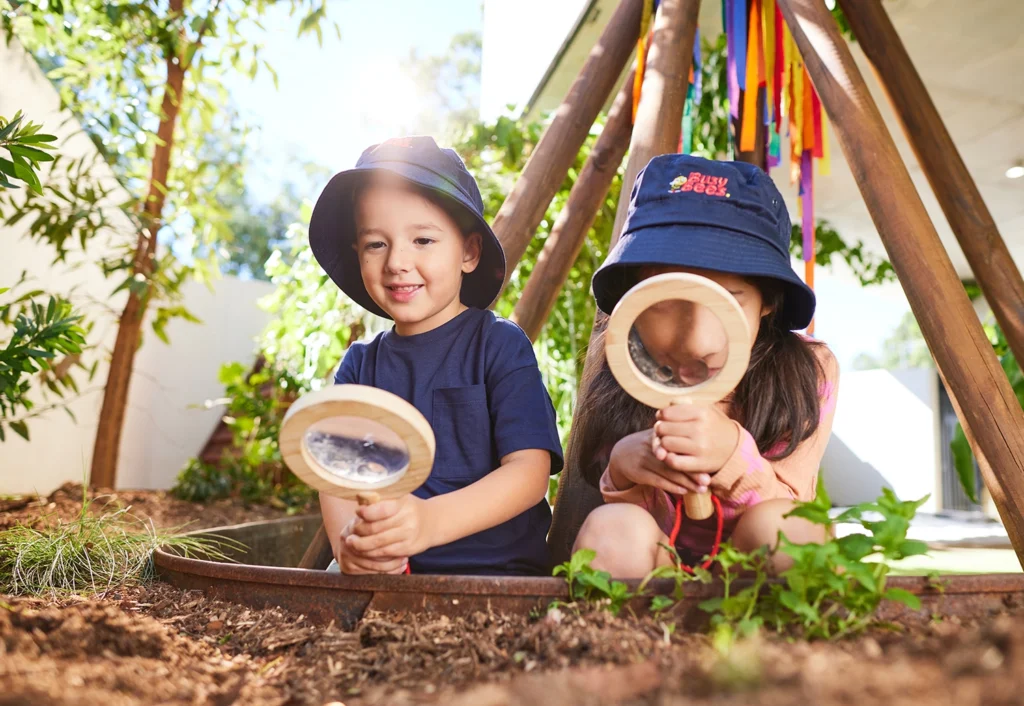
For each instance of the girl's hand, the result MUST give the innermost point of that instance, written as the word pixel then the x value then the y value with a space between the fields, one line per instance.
pixel 392 529
pixel 353 563
pixel 633 462
pixel 694 438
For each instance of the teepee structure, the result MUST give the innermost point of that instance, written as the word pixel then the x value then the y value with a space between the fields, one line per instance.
pixel 645 120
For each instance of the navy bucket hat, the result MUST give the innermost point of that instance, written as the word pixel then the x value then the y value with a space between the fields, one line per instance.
pixel 418 160
pixel 729 217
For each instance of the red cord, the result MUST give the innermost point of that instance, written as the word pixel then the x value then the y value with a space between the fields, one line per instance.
pixel 718 532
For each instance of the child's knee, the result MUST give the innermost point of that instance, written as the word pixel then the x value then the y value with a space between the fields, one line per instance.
pixel 625 538
pixel 759 526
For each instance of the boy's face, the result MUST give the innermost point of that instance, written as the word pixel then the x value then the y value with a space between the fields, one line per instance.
pixel 412 255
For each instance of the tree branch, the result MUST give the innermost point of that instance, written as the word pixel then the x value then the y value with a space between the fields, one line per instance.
pixel 202 32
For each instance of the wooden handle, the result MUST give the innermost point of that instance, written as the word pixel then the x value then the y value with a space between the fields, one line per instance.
pixel 698 505
pixel 368 498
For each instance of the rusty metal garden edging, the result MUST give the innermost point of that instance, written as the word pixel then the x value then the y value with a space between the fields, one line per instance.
pixel 264 576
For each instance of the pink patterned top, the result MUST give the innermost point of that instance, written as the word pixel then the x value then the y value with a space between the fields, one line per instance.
pixel 747 477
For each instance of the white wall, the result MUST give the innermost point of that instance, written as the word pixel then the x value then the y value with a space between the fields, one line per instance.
pixel 161 431
pixel 885 434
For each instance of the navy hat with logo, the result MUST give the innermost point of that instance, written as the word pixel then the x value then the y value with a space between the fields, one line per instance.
pixel 332 227
pixel 729 217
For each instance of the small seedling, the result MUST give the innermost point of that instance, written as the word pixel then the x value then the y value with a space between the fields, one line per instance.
pixel 591 585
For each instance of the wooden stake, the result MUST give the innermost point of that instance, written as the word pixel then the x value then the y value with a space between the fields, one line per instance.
pixel 569 232
pixel 655 131
pixel 937 298
pixel 524 207
pixel 659 121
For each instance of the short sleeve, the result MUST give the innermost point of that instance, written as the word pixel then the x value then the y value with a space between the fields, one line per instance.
pixel 522 415
pixel 348 371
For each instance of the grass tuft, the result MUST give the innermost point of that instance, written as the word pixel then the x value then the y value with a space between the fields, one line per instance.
pixel 92 554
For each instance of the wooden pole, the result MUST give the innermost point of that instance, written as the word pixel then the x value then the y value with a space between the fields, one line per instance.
pixel 968 216
pixel 655 131
pixel 940 305
pixel 655 134
pixel 525 206
pixel 569 232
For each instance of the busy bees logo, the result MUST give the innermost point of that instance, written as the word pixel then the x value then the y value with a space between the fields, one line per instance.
pixel 700 184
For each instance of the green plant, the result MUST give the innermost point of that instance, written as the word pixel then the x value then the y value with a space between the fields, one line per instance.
pixel 590 585
pixel 831 590
pixel 734 613
pixel 26 147
pixel 253 469
pixel 92 553
pixel 40 332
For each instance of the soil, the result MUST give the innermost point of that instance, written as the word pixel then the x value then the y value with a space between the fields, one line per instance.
pixel 163 509
pixel 160 645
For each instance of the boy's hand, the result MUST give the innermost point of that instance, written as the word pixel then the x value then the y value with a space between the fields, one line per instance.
pixel 633 462
pixel 352 562
pixel 392 529
pixel 694 438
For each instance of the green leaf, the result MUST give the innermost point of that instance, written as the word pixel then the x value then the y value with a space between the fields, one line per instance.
pixel 36 155
pixel 963 461
pixel 912 547
pixel 21 429
pixel 661 603
pixel 905 597
pixel 856 546
pixel 711 605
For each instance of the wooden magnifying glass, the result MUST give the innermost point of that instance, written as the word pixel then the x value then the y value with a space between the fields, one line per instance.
pixel 638 372
pixel 357 442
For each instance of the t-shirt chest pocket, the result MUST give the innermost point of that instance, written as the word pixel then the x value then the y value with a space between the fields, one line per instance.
pixel 462 430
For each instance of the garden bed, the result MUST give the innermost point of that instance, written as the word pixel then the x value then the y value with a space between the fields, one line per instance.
pixel 161 644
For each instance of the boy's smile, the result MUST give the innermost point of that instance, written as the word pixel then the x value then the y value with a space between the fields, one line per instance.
pixel 412 255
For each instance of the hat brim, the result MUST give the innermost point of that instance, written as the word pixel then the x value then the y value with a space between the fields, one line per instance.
pixel 332 232
pixel 715 249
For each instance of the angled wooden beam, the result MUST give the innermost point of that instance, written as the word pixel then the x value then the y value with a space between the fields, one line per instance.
pixel 524 207
pixel 655 131
pixel 569 232
pixel 938 300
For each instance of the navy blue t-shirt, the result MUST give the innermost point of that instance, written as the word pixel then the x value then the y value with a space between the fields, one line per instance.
pixel 476 381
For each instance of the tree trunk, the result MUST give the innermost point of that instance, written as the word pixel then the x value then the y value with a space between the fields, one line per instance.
pixel 103 473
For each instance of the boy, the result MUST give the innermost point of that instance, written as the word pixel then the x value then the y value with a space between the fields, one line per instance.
pixel 404 236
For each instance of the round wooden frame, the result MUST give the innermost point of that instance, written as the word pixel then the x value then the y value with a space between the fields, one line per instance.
pixel 689 287
pixel 368 403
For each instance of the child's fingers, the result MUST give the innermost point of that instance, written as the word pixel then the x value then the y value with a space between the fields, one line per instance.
pixel 377 546
pixel 680 445
pixel 685 464
pixel 681 413
pixel 680 485
pixel 685 429
pixel 378 511
pixel 353 564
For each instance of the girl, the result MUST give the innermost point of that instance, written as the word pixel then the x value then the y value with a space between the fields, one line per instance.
pixel 759 449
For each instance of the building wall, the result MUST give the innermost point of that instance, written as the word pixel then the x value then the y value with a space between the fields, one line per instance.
pixel 162 429
pixel 885 435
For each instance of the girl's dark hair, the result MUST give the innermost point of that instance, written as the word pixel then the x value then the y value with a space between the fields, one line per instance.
pixel 777 400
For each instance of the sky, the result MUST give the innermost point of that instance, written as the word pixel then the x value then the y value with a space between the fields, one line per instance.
pixel 336 100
